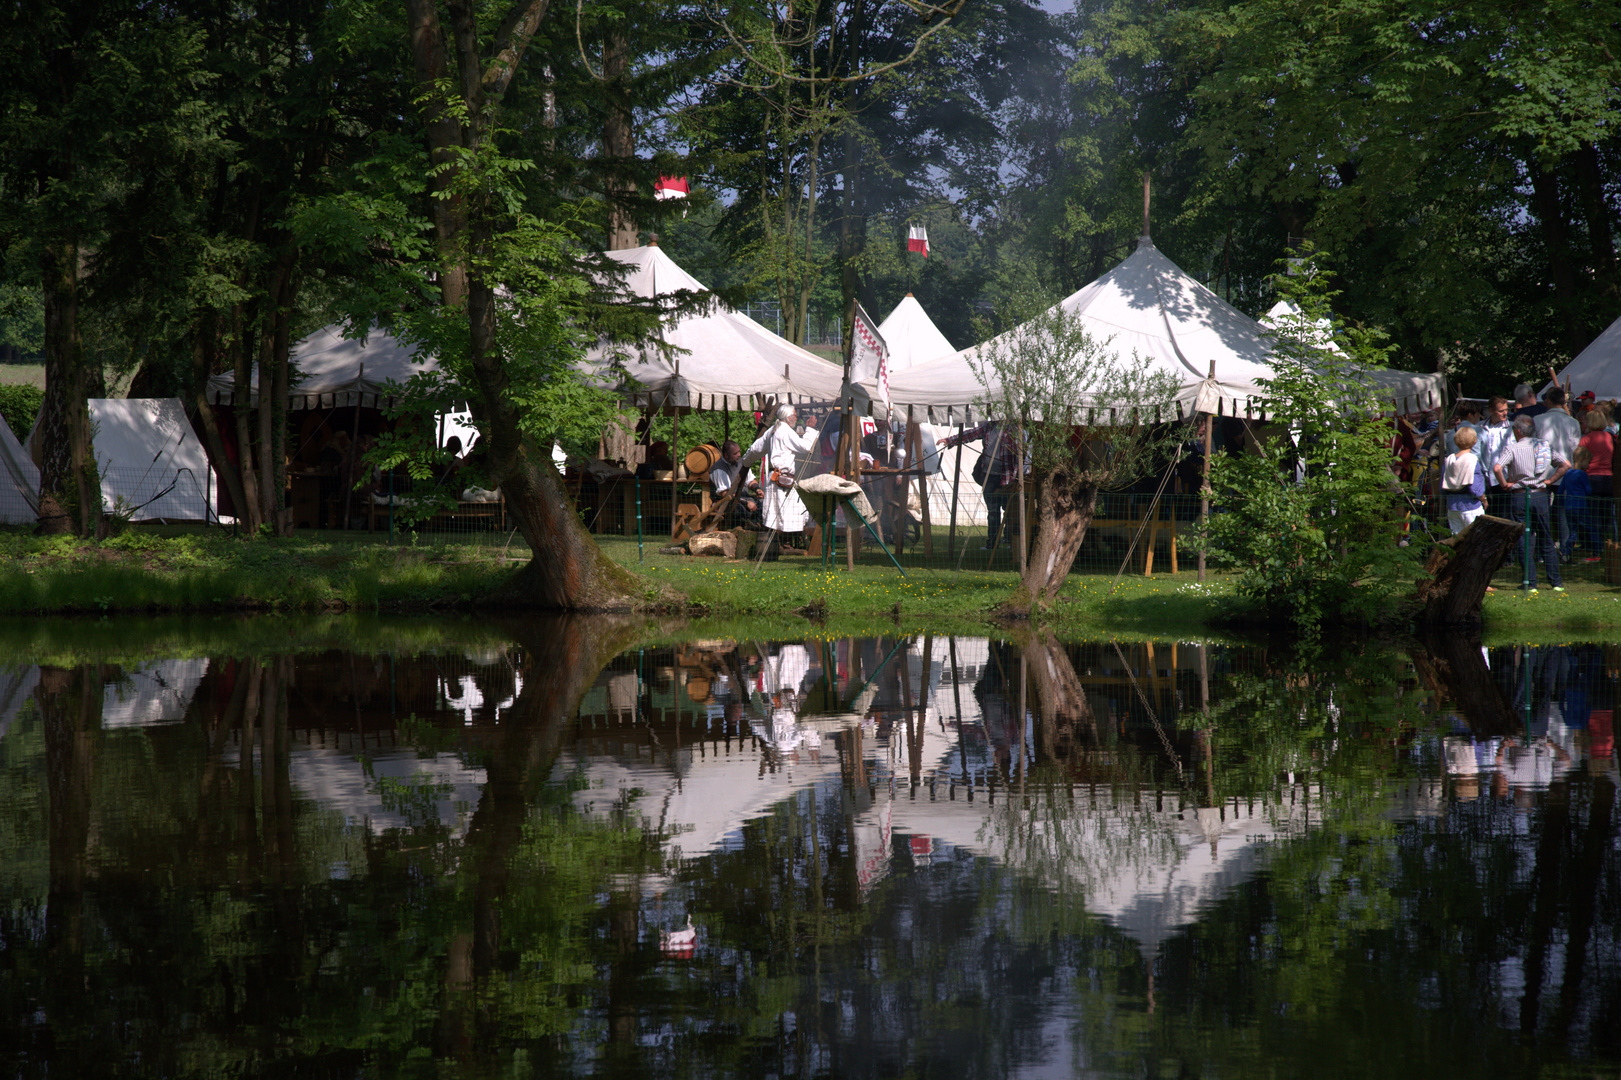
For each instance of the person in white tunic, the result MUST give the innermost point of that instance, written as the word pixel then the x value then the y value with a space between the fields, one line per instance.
pixel 780 450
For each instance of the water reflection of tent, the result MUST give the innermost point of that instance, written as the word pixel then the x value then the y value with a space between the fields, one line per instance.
pixel 16 690
pixel 155 693
pixel 392 789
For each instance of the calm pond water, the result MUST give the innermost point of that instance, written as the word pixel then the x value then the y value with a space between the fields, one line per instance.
pixel 551 850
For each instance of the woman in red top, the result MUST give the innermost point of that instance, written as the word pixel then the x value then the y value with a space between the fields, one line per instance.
pixel 1601 445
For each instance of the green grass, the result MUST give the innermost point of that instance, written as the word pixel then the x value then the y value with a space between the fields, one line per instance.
pixel 22 375
pixel 193 570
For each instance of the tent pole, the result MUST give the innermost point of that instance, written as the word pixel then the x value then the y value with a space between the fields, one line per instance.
pixel 354 459
pixel 956 481
pixel 1204 486
pixel 675 450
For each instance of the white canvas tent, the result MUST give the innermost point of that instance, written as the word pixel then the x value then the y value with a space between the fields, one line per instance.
pixel 1408 391
pixel 151 460
pixel 1597 367
pixel 724 359
pixel 19 481
pixel 912 337
pixel 337 372
pixel 1146 305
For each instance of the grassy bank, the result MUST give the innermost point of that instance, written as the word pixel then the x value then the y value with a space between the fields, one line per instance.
pixel 206 571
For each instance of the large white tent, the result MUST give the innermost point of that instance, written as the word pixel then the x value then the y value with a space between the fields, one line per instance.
pixel 1146 305
pixel 1597 367
pixel 335 372
pixel 1408 391
pixel 19 481
pixel 721 359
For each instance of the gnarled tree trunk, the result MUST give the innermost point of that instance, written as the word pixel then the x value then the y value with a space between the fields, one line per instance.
pixel 1064 511
pixel 567 571
pixel 1461 567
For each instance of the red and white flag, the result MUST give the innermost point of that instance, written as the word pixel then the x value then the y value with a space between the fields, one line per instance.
pixel 869 354
pixel 917 239
pixel 670 187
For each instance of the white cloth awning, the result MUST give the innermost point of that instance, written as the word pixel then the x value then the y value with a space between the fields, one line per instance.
pixel 1406 391
pixel 720 359
pixel 337 372
pixel 1597 367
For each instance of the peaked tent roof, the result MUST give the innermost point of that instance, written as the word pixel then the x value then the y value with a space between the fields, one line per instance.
pixel 1147 305
pixel 729 359
pixel 1597 367
pixel 912 337
pixel 1410 391
pixel 335 371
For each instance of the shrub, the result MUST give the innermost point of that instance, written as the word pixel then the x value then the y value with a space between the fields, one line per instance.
pixel 20 405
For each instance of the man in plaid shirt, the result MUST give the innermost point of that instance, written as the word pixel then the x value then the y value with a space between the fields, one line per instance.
pixel 1526 467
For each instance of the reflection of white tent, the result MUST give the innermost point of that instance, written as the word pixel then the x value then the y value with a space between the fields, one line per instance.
pixel 151 460
pixel 16 690
pixel 1410 391
pixel 336 372
pixel 155 693
pixel 19 481
pixel 912 336
pixel 1146 305
pixel 374 792
pixel 722 358
pixel 1597 367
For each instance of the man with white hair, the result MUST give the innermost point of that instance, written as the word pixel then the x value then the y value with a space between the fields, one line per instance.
pixel 1528 470
pixel 781 451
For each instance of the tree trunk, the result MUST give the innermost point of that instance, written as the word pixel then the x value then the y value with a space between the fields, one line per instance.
pixel 1551 216
pixel 1596 208
pixel 69 490
pixel 1064 512
pixel 1460 568
pixel 618 142
pixel 201 368
pixel 567 571
pixel 248 512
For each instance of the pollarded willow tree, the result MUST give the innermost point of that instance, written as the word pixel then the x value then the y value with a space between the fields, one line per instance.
pixel 1088 419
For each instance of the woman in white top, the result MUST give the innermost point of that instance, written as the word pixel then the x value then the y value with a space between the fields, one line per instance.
pixel 780 450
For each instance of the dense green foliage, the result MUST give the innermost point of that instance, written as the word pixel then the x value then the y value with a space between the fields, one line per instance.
pixel 1311 518
pixel 19 405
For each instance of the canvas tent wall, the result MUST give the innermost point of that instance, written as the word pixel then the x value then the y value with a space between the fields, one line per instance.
pixel 724 359
pixel 19 481
pixel 151 460
pixel 1597 367
pixel 912 337
pixel 337 372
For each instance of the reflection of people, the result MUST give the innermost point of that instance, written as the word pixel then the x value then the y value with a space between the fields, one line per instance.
pixel 776 450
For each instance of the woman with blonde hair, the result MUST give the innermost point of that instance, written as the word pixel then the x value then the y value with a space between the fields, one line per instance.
pixel 1463 481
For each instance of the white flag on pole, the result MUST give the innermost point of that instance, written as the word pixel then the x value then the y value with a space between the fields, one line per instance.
pixel 869 356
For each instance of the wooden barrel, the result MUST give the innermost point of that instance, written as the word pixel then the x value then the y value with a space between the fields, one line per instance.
pixel 700 459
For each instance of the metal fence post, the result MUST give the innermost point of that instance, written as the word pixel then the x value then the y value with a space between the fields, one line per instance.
pixel 638 519
pixel 1525 568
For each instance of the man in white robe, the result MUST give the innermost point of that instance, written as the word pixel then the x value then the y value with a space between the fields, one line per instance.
pixel 781 451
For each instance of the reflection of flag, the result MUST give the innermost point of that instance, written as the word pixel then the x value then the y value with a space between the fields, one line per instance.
pixel 670 187
pixel 868 352
pixel 917 239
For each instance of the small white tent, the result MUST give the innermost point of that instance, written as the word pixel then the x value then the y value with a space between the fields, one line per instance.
pixel 912 337
pixel 1146 305
pixel 1597 367
pixel 19 481
pixel 152 463
pixel 337 372
pixel 723 359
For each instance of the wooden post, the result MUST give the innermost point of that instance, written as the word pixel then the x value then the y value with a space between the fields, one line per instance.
pixel 852 466
pixel 1024 523
pixel 354 459
pixel 1204 484
pixel 675 466
pixel 1145 203
pixel 914 459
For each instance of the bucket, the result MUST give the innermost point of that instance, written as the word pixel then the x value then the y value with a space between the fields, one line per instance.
pixel 699 460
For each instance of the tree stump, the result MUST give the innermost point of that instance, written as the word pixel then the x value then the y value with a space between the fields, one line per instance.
pixel 723 544
pixel 1451 665
pixel 1460 568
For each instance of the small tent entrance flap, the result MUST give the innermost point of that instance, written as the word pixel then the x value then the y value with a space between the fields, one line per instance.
pixel 19 482
pixel 150 459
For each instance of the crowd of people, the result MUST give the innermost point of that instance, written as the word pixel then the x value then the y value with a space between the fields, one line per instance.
pixel 1547 461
